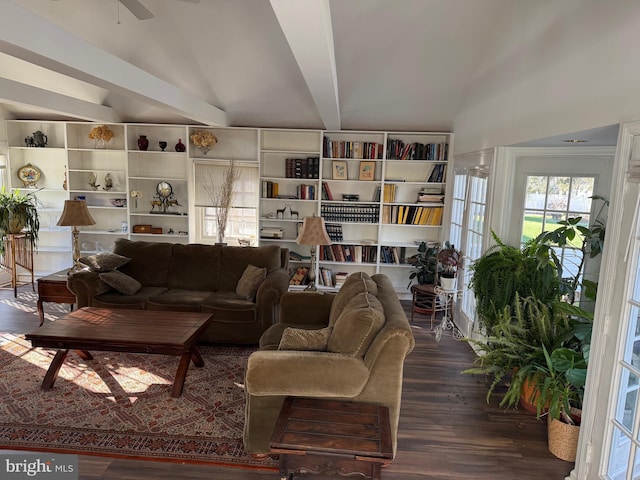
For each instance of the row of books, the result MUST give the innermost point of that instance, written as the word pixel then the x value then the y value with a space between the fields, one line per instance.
pixel 302 167
pixel 351 149
pixel 411 215
pixel 348 253
pixel 438 173
pixel 399 150
pixel 425 196
pixel 334 230
pixel 361 212
pixel 296 257
pixel 303 192
pixel 395 255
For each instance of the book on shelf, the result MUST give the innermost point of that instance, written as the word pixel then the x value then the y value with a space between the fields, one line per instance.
pixel 299 276
pixel 351 149
pixel 326 192
pixel 390 191
pixel 340 278
pixel 302 167
pixel 326 277
pixel 399 150
pixel 438 173
pixel 411 215
pixel 296 257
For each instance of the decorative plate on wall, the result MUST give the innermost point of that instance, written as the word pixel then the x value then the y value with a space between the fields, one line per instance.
pixel 29 175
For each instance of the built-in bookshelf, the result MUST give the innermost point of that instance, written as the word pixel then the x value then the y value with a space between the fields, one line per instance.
pixel 381 193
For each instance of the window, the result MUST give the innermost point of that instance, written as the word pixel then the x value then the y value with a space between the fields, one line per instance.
pixel 550 199
pixel 624 459
pixel 242 223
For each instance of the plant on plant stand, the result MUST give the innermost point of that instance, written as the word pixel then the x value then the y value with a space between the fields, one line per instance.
pixel 449 261
pixel 19 212
pixel 424 265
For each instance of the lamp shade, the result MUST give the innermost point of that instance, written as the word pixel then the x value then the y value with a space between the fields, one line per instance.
pixel 313 232
pixel 75 214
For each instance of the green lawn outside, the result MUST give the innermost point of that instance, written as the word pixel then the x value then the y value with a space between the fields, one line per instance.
pixel 533 227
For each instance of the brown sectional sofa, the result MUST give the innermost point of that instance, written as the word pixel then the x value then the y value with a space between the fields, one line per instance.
pixel 345 346
pixel 195 277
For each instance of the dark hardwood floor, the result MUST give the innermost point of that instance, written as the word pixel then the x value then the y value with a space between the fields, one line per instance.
pixel 447 429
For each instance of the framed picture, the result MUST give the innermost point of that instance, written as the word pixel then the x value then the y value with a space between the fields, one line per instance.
pixel 367 170
pixel 339 170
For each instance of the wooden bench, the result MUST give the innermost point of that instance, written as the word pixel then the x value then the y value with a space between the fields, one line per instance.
pixel 332 437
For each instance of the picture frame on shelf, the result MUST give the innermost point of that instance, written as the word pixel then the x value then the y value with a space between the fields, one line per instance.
pixel 339 170
pixel 367 170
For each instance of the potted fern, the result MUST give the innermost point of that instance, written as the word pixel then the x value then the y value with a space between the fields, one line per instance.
pixel 19 212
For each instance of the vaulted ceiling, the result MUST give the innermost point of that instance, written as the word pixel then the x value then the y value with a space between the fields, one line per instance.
pixel 332 64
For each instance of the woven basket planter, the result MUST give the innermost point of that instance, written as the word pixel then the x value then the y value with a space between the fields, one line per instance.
pixel 563 439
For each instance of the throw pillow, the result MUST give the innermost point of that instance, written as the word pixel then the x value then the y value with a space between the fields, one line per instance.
pixel 303 339
pixel 250 281
pixel 357 326
pixel 104 262
pixel 121 282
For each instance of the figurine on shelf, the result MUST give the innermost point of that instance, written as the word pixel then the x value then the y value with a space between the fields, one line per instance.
pixel 92 181
pixel 64 183
pixel 108 182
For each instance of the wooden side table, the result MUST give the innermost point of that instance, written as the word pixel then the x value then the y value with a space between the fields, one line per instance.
pixel 53 288
pixel 18 252
pixel 336 438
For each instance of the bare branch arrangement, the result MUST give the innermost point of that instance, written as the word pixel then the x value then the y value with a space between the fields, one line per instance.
pixel 222 197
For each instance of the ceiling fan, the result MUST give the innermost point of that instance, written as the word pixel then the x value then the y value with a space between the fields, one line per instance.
pixel 140 11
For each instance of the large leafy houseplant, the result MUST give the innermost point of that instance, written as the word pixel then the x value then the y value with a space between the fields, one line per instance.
pixel 504 273
pixel 424 265
pixel 18 212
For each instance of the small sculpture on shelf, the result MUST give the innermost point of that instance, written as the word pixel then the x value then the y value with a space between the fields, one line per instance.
pixel 283 211
pixel 92 181
pixel 163 199
pixel 108 182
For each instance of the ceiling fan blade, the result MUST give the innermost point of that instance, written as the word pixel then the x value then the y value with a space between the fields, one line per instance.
pixel 138 9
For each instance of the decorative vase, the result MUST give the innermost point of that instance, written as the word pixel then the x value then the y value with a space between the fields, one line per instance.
pixel 204 150
pixel 143 142
pixel 100 143
pixel 162 145
pixel 180 146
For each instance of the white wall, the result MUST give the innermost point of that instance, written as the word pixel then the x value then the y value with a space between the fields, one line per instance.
pixel 553 67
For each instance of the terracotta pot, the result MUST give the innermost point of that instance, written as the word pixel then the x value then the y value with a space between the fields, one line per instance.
pixel 529 399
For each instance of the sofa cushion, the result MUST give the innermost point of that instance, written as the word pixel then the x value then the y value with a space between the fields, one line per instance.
pixel 177 299
pixel 195 267
pixel 250 281
pixel 356 327
pixel 355 283
pixel 270 339
pixel 305 339
pixel 234 260
pixel 150 261
pixel 121 282
pixel 104 262
pixel 114 299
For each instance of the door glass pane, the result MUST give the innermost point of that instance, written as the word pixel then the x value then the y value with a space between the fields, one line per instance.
pixel 636 290
pixel 558 193
pixel 620 450
pixel 532 225
pixel 536 192
pixel 627 401
pixel 632 352
pixel 581 191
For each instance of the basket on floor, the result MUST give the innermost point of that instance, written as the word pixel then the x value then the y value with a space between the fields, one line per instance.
pixel 563 439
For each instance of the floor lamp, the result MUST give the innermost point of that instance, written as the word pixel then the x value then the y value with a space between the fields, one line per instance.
pixel 75 214
pixel 313 233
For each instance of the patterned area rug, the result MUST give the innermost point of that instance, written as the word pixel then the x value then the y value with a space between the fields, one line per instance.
pixel 119 404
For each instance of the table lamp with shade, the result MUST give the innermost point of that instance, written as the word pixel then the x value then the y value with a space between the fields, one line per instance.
pixel 75 214
pixel 313 233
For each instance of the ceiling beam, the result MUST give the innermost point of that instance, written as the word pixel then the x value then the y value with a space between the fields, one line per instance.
pixel 35 40
pixel 19 93
pixel 308 30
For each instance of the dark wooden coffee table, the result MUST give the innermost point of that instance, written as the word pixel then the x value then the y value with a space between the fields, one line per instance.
pixel 342 439
pixel 115 330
